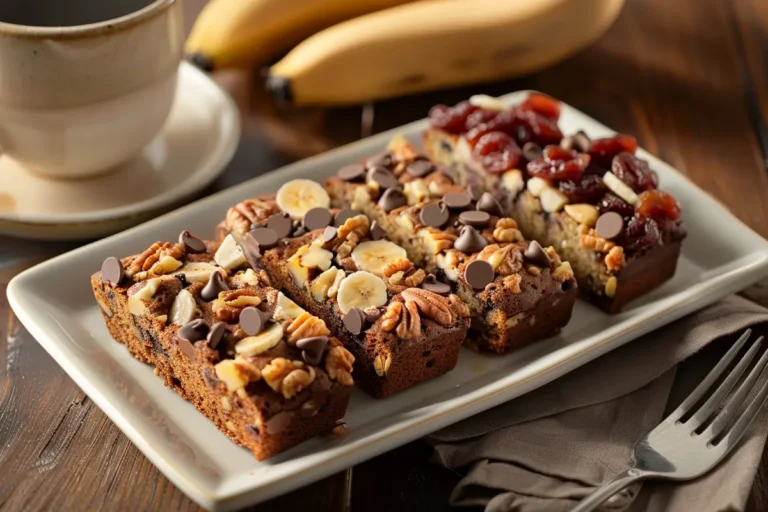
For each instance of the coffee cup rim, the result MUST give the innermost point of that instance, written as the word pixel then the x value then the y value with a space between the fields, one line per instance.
pixel 89 29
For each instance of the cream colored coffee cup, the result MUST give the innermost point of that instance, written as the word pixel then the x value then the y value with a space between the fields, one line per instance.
pixel 79 100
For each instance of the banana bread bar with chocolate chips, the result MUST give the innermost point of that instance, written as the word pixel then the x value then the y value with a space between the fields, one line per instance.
pixel 517 291
pixel 593 200
pixel 267 375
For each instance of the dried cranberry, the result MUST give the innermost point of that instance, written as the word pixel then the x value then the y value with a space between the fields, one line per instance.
pixel 498 152
pixel 543 104
pixel 658 205
pixel 634 172
pixel 603 150
pixel 559 164
pixel 531 126
pixel 451 119
pixel 478 117
pixel 502 122
pixel 612 203
pixel 587 189
pixel 641 233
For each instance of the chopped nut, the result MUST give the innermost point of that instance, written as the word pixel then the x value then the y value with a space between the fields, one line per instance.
pixel 415 192
pixel 338 364
pixel 382 363
pixel 305 326
pixel 391 316
pixel 552 200
pixel 563 272
pixel 247 278
pixel 144 264
pixel 553 256
pixel 512 283
pixel 582 213
pixel 436 241
pixel 505 260
pixel 401 264
pixel 506 231
pixel 349 235
pixel 274 373
pixel 296 381
pixel 589 239
pixel 610 286
pixel 402 272
pixel 459 306
pixel 228 305
pixel 533 269
pixel 226 406
pixel 614 260
pixel 236 373
pixel 136 302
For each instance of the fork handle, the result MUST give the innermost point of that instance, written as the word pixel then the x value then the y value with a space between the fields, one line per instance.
pixel 609 488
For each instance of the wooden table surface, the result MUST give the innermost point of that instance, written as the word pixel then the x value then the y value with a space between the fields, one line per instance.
pixel 689 78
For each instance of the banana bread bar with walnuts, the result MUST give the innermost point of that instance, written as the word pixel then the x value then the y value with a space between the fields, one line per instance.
pixel 594 200
pixel 225 340
pixel 517 291
pixel 337 266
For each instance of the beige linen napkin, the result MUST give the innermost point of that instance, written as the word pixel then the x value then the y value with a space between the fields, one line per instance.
pixel 548 449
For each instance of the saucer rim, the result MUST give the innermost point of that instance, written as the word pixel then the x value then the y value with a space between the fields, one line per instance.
pixel 212 165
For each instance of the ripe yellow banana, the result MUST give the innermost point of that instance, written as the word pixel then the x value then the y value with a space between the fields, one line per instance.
pixel 231 33
pixel 436 44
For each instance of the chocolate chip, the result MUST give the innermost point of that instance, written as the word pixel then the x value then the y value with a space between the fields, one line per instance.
pixel 191 243
pixel 479 274
pixel 373 316
pixel 186 348
pixel 578 141
pixel 535 253
pixel 193 331
pixel 317 218
pixel 475 191
pixel 251 249
pixel 354 172
pixel 112 270
pixel 392 199
pixel 265 237
pixel 343 216
pixel 475 218
pixel 383 177
pixel 377 232
pixel 299 231
pixel 354 320
pixel 213 287
pixel 488 203
pixel 251 321
pixel 330 233
pixel 532 151
pixel 434 215
pixel 281 224
pixel 419 168
pixel 381 160
pixel 457 200
pixel 431 284
pixel 312 348
pixel 279 422
pixel 609 225
pixel 469 241
pixel 216 334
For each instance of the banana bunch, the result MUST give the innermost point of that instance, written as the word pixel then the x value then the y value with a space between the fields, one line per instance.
pixel 399 47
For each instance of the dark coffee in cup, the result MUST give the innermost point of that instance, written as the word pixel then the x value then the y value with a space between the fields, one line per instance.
pixel 65 13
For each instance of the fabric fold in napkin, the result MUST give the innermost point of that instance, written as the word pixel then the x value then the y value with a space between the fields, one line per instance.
pixel 552 447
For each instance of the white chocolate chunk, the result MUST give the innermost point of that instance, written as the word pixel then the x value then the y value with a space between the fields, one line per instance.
pixel 487 102
pixel 183 308
pixel 230 255
pixel 620 188
pixel 513 182
pixel 552 200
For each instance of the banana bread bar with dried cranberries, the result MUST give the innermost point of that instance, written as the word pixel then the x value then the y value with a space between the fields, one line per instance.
pixel 267 375
pixel 595 201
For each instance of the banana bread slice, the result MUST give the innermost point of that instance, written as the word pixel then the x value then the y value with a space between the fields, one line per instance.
pixel 517 291
pixel 594 200
pixel 225 340
pixel 371 296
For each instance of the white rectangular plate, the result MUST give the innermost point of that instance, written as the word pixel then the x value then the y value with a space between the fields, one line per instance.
pixel 54 302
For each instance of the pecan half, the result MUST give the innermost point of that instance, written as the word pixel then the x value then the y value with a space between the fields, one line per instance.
pixel 391 316
pixel 304 326
pixel 459 306
pixel 409 327
pixel 158 254
pixel 338 364
pixel 241 217
pixel 431 305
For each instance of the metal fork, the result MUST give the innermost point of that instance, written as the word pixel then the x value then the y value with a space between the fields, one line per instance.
pixel 679 449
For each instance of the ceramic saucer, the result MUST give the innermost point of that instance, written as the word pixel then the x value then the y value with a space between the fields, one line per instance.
pixel 196 143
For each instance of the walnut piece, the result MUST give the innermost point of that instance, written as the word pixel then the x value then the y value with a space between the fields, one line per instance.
pixel 459 306
pixel 338 364
pixel 382 363
pixel 349 235
pixel 402 273
pixel 391 316
pixel 563 272
pixel 506 231
pixel 512 283
pixel 305 326
pixel 435 240
pixel 277 369
pixel 228 305
pixel 505 259
pixel 589 239
pixel 614 260
pixel 296 381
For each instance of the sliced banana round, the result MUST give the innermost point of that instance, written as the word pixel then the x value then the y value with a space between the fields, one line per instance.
pixel 374 255
pixel 361 290
pixel 265 340
pixel 299 196
pixel 286 309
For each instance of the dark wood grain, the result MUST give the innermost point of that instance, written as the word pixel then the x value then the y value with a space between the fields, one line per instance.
pixel 689 78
